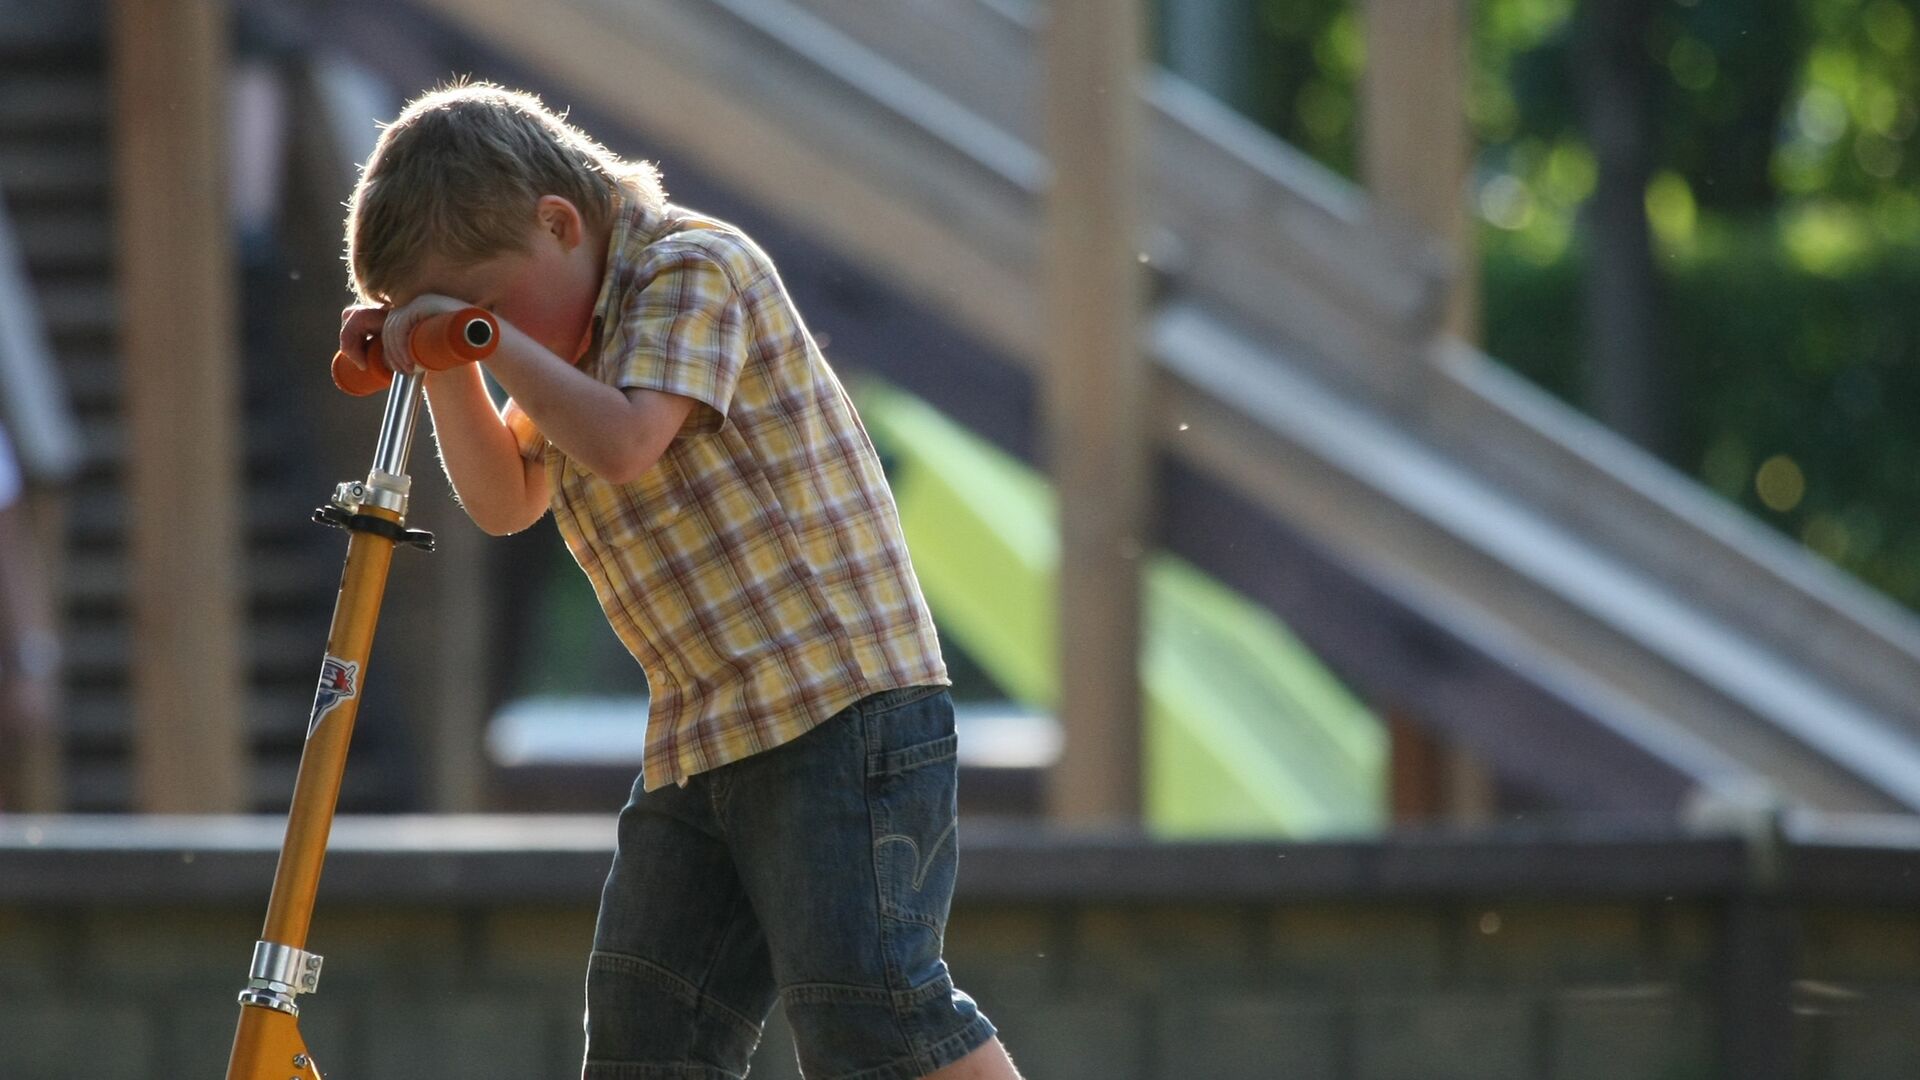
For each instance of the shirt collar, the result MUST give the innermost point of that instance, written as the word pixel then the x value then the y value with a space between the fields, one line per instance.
pixel 633 221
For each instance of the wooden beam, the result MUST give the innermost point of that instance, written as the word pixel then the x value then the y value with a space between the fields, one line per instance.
pixel 1417 153
pixel 1416 786
pixel 34 781
pixel 465 601
pixel 180 379
pixel 1096 388
pixel 1417 156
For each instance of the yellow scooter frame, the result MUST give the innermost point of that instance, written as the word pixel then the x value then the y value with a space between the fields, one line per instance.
pixel 267 1045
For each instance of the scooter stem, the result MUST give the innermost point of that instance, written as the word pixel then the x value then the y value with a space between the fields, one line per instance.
pixel 267 1044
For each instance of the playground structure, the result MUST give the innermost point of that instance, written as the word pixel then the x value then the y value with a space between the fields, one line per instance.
pixel 1470 557
pixel 1461 550
pixel 1464 552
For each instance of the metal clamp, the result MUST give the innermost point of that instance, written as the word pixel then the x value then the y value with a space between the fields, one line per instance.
pixel 284 969
pixel 350 495
pixel 389 491
pixel 267 999
pixel 382 489
pixel 385 490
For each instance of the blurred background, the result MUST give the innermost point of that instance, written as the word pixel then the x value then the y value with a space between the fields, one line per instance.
pixel 1419 499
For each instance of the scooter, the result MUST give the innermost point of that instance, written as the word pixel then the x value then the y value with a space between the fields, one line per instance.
pixel 267 1044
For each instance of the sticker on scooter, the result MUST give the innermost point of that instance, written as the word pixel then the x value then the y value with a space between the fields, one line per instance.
pixel 339 680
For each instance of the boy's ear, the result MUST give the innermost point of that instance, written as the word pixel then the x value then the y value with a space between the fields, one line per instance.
pixel 561 219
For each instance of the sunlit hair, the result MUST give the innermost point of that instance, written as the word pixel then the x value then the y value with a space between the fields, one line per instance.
pixel 457 175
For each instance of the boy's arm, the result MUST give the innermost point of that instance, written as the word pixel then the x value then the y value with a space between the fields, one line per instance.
pixel 502 492
pixel 615 434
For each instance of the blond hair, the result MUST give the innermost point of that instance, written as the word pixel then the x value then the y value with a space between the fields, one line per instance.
pixel 457 174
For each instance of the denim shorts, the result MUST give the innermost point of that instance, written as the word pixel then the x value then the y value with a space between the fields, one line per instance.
pixel 819 872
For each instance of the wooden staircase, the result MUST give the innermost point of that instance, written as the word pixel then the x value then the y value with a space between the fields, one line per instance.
pixel 56 179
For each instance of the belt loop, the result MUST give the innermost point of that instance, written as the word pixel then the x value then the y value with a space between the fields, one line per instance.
pixel 870 738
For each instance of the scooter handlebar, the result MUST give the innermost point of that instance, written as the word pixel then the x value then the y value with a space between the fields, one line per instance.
pixel 439 342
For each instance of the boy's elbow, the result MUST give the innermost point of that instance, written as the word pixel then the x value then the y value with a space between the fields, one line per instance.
pixel 628 466
pixel 502 525
pixel 502 520
pixel 496 527
pixel 492 524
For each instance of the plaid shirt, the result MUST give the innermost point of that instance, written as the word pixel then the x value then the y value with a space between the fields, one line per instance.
pixel 757 571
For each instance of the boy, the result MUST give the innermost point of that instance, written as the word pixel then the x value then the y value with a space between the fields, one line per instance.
pixel 792 831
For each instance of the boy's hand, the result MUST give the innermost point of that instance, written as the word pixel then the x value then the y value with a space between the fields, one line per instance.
pixel 394 326
pixel 358 325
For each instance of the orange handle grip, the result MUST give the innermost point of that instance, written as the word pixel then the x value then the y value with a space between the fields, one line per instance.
pixel 439 342
pixel 359 381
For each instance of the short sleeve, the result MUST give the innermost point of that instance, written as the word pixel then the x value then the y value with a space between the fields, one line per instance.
pixel 684 332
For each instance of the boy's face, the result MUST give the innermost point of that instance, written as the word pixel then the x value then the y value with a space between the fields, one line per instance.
pixel 547 290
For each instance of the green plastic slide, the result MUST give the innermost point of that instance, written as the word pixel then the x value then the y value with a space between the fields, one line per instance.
pixel 1246 733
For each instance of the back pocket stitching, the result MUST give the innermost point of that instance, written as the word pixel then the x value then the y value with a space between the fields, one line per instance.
pixel 921 866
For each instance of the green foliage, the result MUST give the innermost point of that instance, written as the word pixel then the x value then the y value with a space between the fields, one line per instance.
pixel 1793 383
pixel 1786 217
pixel 1305 66
pixel 1847 131
pixel 1789 237
pixel 1757 99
